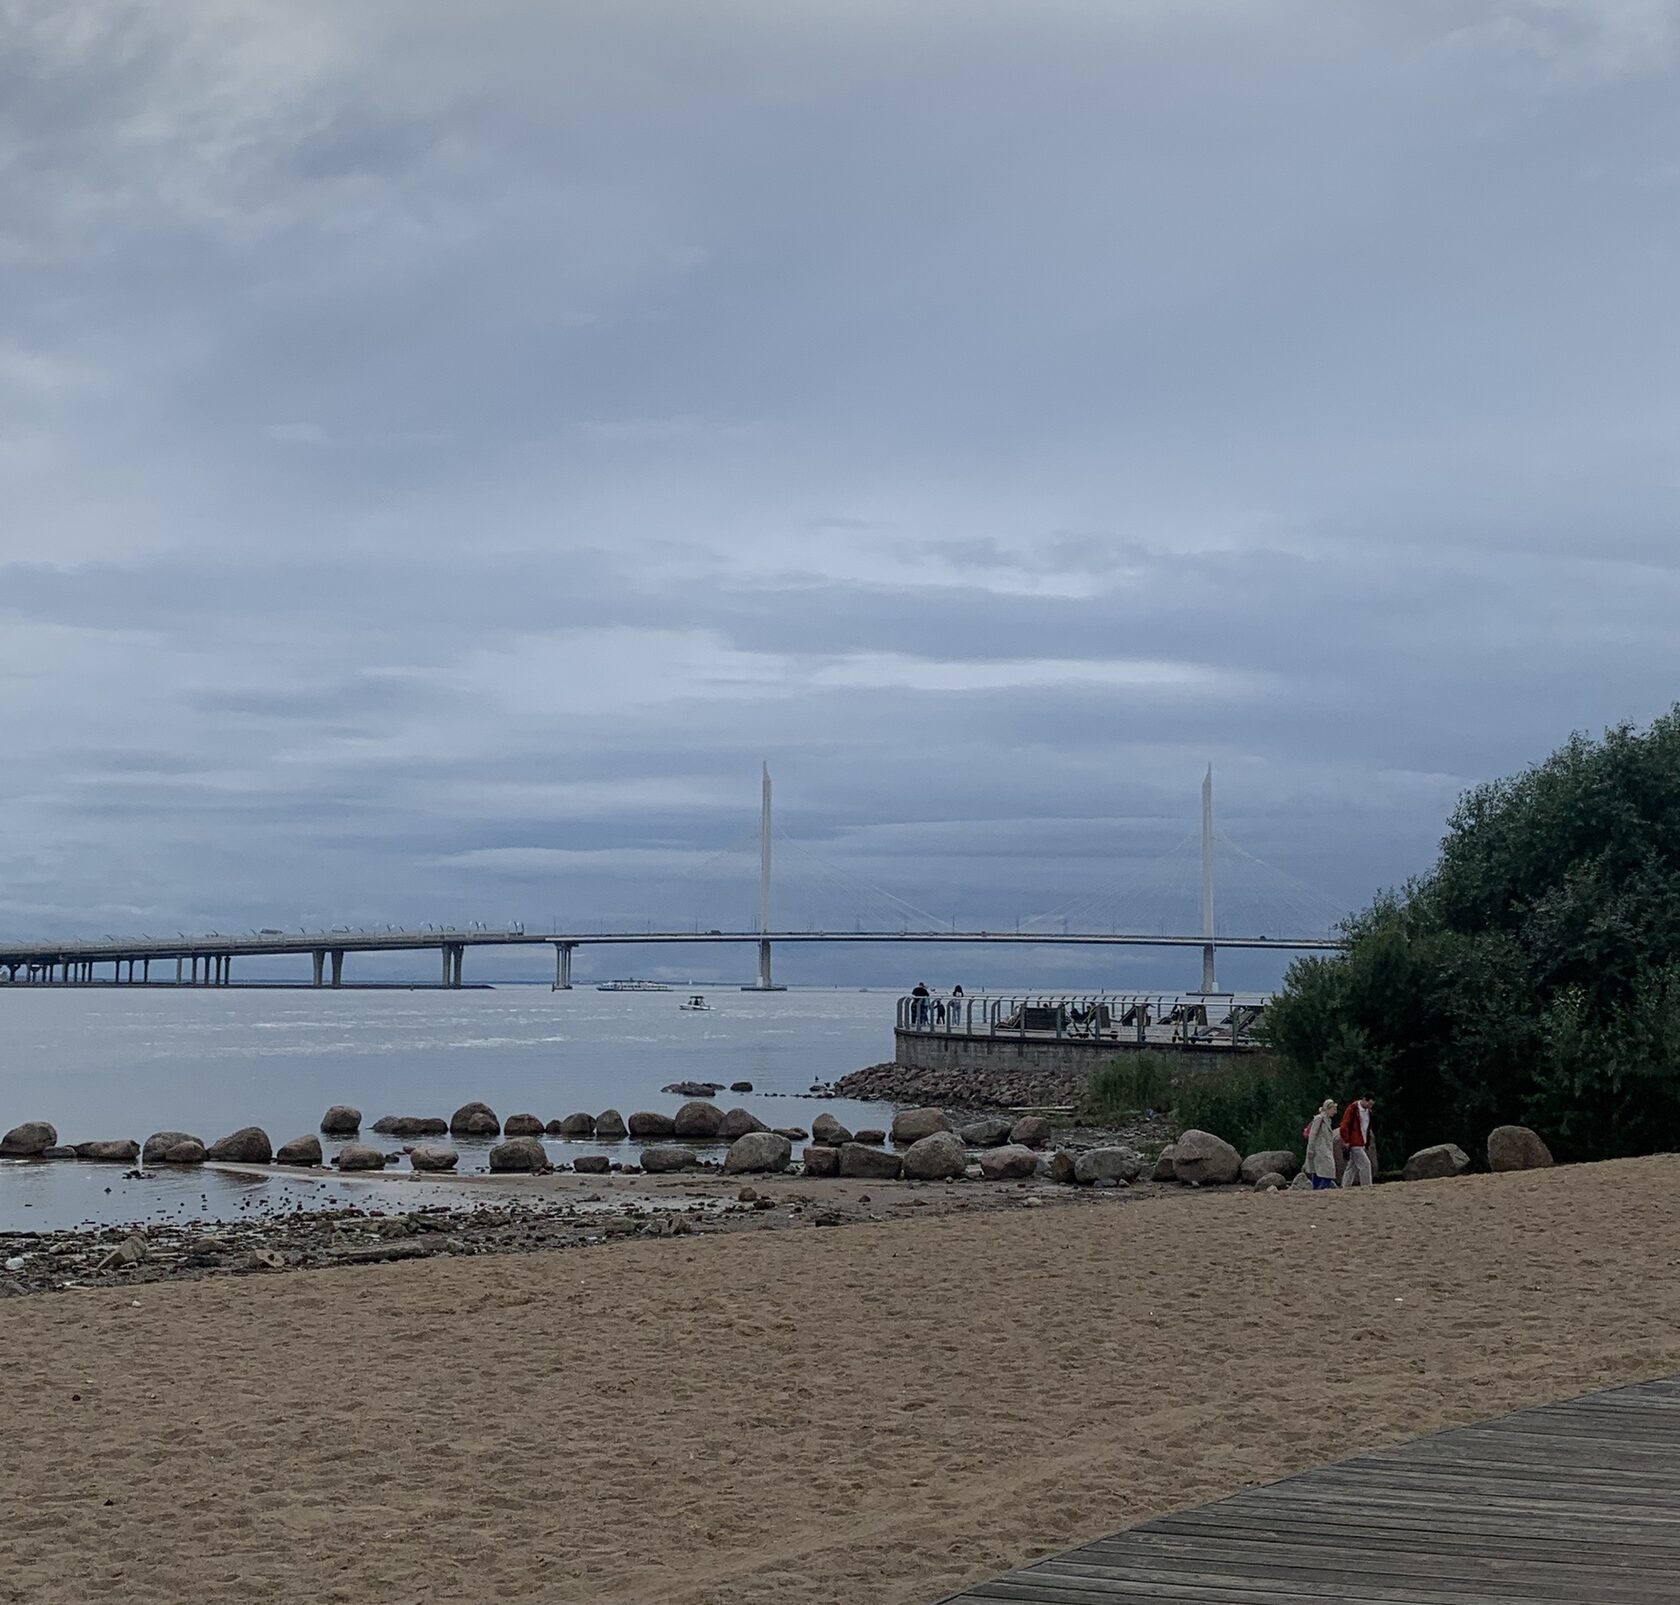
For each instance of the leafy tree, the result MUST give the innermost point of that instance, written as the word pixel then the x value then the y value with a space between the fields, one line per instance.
pixel 1532 976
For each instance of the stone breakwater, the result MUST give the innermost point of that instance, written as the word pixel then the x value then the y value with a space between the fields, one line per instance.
pixel 969 1089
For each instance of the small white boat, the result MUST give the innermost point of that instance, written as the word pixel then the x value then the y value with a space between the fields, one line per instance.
pixel 695 1005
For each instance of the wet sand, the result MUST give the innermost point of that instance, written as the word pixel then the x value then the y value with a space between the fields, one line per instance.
pixel 869 1413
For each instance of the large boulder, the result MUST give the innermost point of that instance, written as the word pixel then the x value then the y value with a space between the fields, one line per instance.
pixel 411 1125
pixel 519 1153
pixel 658 1160
pixel 870 1135
pixel 911 1125
pixel 827 1130
pixel 936 1157
pixel 610 1127
pixel 697 1118
pixel 360 1156
pixel 1271 1181
pixel 1030 1131
pixel 1515 1148
pixel 578 1125
pixel 1436 1162
pixel 738 1123
pixel 300 1151
pixel 247 1146
pixel 1279 1161
pixel 1060 1167
pixel 591 1164
pixel 1165 1168
pixel 1107 1167
pixel 522 1126
pixel 648 1123
pixel 116 1150
pixel 434 1156
pixel 792 1133
pixel 342 1121
pixel 28 1141
pixel 693 1089
pixel 1199 1156
pixel 864 1163
pixel 992 1132
pixel 189 1152
pixel 474 1120
pixel 757 1151
pixel 157 1146
pixel 60 1150
pixel 821 1160
pixel 1013 1162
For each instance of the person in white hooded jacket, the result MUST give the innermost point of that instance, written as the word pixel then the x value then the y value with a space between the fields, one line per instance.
pixel 1321 1146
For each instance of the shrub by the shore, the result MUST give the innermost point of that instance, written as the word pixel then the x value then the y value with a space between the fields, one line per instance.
pixel 1255 1102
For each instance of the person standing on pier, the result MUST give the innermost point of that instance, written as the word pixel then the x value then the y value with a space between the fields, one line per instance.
pixel 1359 1141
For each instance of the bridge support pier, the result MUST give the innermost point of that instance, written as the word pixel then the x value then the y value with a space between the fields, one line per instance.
pixel 1209 983
pixel 319 957
pixel 453 952
pixel 563 966
pixel 145 972
pixel 338 966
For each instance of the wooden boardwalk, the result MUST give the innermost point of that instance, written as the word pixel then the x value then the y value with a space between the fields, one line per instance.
pixel 1572 1504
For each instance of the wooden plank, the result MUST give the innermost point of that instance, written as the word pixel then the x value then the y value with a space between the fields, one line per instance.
pixel 1576 1503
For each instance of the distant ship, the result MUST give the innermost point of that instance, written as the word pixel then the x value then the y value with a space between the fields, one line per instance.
pixel 632 986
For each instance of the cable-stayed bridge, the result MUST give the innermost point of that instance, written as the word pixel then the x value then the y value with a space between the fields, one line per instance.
pixel 1304 921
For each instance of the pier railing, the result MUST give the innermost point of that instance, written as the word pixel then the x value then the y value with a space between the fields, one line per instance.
pixel 1176 1019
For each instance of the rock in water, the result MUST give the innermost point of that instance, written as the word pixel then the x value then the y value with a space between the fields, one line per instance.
pixel 411 1126
pixel 1432 1164
pixel 935 1157
pixel 693 1089
pixel 519 1153
pixel 1061 1168
pixel 991 1132
pixel 358 1156
pixel 868 1164
pixel 1030 1131
pixel 247 1146
pixel 647 1123
pixel 157 1145
pixel 118 1150
pixel 189 1152
pixel 740 1086
pixel 474 1120
pixel 300 1151
pixel 738 1122
pixel 697 1118
pixel 820 1160
pixel 1013 1162
pixel 1278 1160
pixel 659 1160
pixel 1199 1156
pixel 434 1156
pixel 757 1152
pixel 1164 1169
pixel 609 1126
pixel 1107 1167
pixel 591 1164
pixel 61 1150
pixel 580 1125
pixel 522 1126
pixel 911 1125
pixel 341 1121
pixel 28 1141
pixel 827 1130
pixel 792 1133
pixel 1515 1148
pixel 870 1135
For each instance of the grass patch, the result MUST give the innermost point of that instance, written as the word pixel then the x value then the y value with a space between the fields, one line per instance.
pixel 1255 1102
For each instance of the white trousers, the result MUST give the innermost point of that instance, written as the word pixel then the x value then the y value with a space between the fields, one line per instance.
pixel 1357 1171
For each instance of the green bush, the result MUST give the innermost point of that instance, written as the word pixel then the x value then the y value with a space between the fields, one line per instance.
pixel 1135 1082
pixel 1532 976
pixel 1254 1102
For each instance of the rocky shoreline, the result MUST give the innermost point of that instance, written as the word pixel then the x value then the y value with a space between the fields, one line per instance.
pixel 972 1089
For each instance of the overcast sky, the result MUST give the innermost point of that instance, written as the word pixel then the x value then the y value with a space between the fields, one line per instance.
pixel 444 448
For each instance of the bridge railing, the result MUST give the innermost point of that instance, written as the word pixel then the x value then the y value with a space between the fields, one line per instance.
pixel 1179 1019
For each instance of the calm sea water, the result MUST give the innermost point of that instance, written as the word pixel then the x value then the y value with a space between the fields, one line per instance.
pixel 127 1062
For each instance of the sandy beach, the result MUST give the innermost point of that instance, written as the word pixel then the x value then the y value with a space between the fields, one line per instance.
pixel 871 1413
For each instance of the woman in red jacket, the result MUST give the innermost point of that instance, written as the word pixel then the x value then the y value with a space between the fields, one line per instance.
pixel 1359 1141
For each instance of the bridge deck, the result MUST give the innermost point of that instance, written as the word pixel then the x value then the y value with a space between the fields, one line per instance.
pixel 1571 1504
